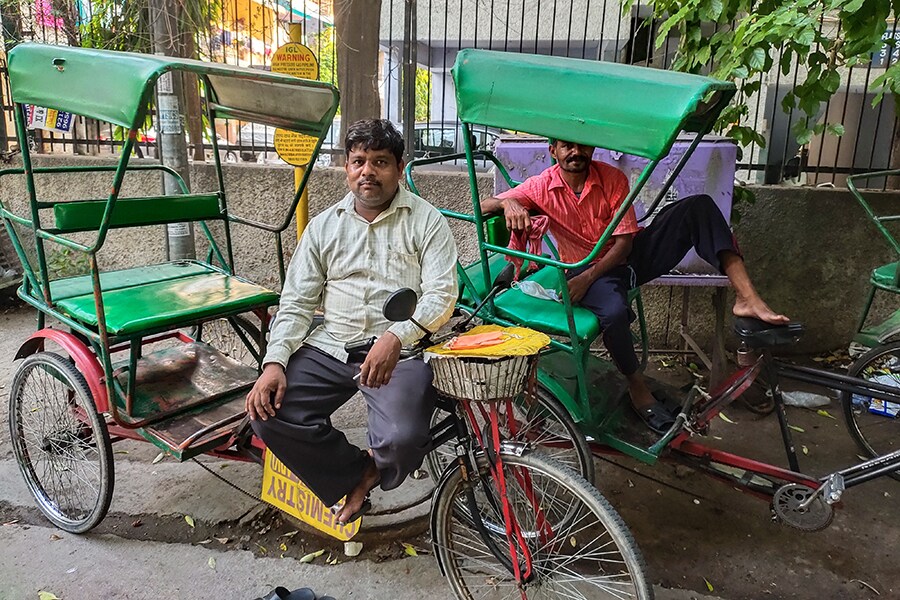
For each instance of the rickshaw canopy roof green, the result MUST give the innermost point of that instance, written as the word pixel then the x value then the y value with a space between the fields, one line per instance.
pixel 630 109
pixel 117 86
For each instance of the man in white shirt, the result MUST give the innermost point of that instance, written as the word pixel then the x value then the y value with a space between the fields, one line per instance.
pixel 378 239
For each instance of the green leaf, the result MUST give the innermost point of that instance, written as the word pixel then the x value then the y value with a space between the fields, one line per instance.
pixel 409 550
pixel 824 413
pixel 757 59
pixel 308 558
pixel 853 6
pixel 709 586
pixel 835 129
pixel 740 72
pixel 831 82
pixel 189 520
pixel 47 596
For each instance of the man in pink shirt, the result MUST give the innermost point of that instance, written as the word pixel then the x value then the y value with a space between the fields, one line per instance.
pixel 580 196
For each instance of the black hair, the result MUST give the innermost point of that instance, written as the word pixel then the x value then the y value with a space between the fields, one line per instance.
pixel 374 134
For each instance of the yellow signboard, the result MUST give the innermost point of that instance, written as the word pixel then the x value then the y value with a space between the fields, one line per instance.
pixel 282 489
pixel 297 60
pixel 294 148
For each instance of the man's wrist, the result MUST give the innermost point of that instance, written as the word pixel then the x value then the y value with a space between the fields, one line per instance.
pixel 269 366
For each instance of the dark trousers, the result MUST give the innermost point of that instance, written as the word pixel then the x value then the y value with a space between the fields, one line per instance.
pixel 301 436
pixel 695 222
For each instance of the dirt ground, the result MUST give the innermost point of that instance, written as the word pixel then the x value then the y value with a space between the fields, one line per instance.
pixel 696 533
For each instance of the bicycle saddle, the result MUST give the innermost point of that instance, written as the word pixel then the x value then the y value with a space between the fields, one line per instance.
pixel 759 334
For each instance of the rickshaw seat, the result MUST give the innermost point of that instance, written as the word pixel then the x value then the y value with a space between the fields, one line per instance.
pixel 167 299
pixel 496 262
pixel 545 315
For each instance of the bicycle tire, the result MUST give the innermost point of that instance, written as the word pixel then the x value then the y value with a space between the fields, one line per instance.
pixel 578 456
pixel 55 429
pixel 874 434
pixel 564 564
pixel 221 335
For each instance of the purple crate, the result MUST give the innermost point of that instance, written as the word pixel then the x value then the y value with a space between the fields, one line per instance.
pixel 710 170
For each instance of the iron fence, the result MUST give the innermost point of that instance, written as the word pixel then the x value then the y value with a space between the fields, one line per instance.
pixel 428 33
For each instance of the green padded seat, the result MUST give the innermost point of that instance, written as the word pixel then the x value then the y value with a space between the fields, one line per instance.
pixel 168 303
pixel 115 280
pixel 546 315
pixel 884 275
pixel 496 262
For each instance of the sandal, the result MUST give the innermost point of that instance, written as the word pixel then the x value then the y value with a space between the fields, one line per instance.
pixel 656 417
pixel 281 593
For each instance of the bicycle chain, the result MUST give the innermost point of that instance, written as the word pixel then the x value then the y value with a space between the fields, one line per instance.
pixel 394 510
pixel 232 484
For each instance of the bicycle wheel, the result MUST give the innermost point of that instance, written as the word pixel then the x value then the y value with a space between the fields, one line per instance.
pixel 579 546
pixel 541 421
pixel 874 423
pixel 61 444
pixel 222 335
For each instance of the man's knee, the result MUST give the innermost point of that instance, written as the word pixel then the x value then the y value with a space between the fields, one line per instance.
pixel 700 204
pixel 613 315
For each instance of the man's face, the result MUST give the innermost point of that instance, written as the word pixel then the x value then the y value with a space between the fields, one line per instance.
pixel 572 157
pixel 373 176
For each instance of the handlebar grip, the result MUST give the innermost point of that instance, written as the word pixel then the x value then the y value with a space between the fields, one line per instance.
pixel 358 349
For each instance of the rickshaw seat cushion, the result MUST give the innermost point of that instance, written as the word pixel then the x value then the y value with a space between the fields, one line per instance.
pixel 884 276
pixel 546 315
pixel 86 215
pixel 170 303
pixel 71 287
pixel 470 297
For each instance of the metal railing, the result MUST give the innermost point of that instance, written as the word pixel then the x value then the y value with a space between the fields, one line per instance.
pixel 428 33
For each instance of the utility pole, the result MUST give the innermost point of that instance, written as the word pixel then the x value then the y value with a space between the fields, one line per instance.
pixel 166 36
pixel 408 79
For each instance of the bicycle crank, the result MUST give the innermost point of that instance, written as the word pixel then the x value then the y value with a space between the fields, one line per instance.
pixel 801 507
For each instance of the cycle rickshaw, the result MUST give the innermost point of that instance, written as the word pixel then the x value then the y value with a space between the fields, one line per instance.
pixel 143 356
pixel 640 111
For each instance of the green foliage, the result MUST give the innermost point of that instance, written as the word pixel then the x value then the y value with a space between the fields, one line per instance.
pixel 326 52
pixel 67 262
pixel 423 94
pixel 820 37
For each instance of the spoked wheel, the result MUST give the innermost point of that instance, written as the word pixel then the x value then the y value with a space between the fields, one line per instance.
pixel 231 337
pixel 539 420
pixel 61 444
pixel 578 546
pixel 874 423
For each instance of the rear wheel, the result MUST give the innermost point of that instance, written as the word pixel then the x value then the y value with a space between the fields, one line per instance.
pixel 540 420
pixel 61 444
pixel 874 423
pixel 579 546
pixel 235 337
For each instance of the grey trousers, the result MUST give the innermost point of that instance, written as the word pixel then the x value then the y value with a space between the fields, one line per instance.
pixel 302 437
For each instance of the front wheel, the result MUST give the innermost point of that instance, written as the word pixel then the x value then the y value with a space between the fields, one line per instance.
pixel 874 423
pixel 537 419
pixel 61 444
pixel 579 546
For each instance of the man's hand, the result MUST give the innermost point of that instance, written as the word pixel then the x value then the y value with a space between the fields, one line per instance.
pixel 376 370
pixel 259 399
pixel 516 216
pixel 580 284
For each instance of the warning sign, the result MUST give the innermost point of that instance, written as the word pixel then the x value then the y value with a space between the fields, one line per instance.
pixel 282 489
pixel 297 60
pixel 294 148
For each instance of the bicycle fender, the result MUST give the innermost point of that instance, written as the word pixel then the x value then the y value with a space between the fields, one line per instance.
pixel 85 360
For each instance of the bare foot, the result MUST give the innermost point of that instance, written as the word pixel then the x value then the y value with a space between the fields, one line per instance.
pixel 640 393
pixel 758 309
pixel 356 497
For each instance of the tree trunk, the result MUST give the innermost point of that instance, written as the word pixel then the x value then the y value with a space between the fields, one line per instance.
pixel 192 108
pixel 357 28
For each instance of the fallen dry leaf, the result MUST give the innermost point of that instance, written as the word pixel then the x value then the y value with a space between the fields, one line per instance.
pixel 725 418
pixel 352 548
pixel 212 563
pixel 795 428
pixel 408 548
pixel 189 520
pixel 308 558
pixel 47 596
pixel 709 586
pixel 824 413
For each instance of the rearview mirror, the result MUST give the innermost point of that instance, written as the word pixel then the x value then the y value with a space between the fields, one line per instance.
pixel 505 277
pixel 400 305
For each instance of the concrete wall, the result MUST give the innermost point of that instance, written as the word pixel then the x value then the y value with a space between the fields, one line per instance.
pixel 809 250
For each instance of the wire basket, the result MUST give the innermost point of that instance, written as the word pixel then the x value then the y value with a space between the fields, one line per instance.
pixel 482 379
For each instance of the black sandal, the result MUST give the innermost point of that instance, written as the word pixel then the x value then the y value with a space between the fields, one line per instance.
pixel 366 507
pixel 656 417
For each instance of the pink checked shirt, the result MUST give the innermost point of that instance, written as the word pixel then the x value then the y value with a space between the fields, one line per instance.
pixel 577 223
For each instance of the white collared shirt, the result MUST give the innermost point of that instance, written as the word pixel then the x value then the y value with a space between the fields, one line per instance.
pixel 349 266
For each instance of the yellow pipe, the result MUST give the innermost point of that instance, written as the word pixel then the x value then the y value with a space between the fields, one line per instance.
pixel 295 32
